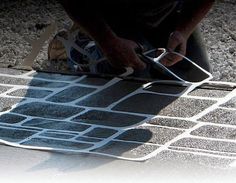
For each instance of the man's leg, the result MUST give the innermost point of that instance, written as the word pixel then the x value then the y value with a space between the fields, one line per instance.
pixel 196 51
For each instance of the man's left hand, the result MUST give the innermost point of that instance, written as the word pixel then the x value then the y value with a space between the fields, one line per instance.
pixel 177 42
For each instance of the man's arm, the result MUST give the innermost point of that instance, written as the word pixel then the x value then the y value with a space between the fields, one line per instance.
pixel 191 15
pixel 120 52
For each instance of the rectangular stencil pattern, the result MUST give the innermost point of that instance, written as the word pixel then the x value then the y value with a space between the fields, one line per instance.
pixel 11 118
pixel 70 94
pixel 114 117
pixel 55 125
pixel 40 109
pixel 59 144
pixel 15 135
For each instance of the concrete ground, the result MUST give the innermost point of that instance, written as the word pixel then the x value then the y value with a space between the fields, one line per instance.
pixel 82 124
pixel 26 166
pixel 164 135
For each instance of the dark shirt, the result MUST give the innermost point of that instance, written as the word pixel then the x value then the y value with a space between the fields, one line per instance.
pixel 148 13
pixel 126 15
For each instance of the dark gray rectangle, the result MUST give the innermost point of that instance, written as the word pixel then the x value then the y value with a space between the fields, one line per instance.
pixel 88 139
pixel 108 118
pixel 56 135
pixel 53 76
pixel 15 135
pixel 11 118
pixel 101 133
pixel 61 144
pixel 111 94
pixel 165 88
pixel 55 125
pixel 70 94
pixel 94 81
pixel 46 110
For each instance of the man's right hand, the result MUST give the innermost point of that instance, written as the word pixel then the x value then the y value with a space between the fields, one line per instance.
pixel 121 53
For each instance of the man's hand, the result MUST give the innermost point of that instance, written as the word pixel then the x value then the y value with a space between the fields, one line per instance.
pixel 193 12
pixel 177 42
pixel 121 53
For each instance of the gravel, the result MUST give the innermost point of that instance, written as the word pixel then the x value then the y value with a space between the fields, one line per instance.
pixel 25 20
pixel 219 33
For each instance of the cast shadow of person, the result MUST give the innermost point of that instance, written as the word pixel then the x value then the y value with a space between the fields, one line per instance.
pixel 28 118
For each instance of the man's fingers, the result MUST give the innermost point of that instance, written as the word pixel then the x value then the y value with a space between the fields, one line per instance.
pixel 177 44
pixel 124 55
pixel 131 61
pixel 170 59
pixel 135 62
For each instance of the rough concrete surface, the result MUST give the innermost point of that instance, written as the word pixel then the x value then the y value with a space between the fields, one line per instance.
pixel 119 111
pixel 167 131
pixel 189 138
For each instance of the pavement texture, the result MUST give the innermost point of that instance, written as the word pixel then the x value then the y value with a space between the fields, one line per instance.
pixel 94 121
pixel 115 117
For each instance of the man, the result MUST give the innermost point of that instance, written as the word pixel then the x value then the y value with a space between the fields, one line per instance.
pixel 117 26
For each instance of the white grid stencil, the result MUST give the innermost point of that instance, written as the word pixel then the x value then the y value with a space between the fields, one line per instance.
pixel 111 117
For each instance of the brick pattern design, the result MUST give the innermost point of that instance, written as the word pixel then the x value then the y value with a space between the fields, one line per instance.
pixel 114 117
